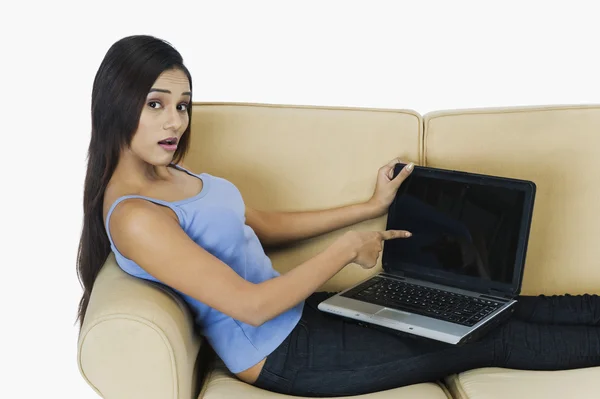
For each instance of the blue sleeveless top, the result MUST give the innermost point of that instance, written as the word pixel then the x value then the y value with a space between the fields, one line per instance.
pixel 215 220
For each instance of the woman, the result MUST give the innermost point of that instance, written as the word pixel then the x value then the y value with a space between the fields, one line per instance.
pixel 194 233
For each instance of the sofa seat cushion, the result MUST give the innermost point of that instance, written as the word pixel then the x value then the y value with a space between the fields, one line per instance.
pixel 220 384
pixel 498 383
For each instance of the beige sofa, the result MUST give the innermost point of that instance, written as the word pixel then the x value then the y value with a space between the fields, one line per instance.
pixel 138 339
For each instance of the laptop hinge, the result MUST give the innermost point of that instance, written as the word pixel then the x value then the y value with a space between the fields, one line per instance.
pixel 394 274
pixel 498 293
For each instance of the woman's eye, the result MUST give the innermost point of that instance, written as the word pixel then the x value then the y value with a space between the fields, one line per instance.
pixel 182 107
pixel 154 104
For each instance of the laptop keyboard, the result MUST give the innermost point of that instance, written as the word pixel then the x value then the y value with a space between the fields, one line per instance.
pixel 426 301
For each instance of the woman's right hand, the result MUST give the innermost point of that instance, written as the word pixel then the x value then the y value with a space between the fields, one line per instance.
pixel 367 245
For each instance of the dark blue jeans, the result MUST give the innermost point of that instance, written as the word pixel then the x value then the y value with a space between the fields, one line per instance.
pixel 326 355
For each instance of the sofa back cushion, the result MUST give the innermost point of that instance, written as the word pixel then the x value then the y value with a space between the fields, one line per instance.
pixel 291 158
pixel 557 148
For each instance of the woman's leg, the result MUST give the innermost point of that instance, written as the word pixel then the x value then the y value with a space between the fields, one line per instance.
pixel 564 309
pixel 329 356
pixel 529 346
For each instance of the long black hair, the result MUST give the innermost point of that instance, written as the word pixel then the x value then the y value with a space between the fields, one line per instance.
pixel 126 75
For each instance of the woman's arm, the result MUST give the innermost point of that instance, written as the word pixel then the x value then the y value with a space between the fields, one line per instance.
pixel 148 235
pixel 274 228
pixel 155 241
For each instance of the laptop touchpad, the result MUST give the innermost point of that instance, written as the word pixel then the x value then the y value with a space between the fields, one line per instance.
pixel 393 314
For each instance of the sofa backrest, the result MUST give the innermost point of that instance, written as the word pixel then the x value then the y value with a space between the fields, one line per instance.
pixel 302 158
pixel 557 148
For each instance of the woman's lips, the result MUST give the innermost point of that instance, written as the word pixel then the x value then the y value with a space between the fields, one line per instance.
pixel 168 147
pixel 169 144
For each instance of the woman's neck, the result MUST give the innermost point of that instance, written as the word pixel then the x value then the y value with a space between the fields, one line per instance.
pixel 138 173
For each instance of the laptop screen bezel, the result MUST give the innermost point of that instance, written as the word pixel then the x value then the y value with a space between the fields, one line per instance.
pixel 452 279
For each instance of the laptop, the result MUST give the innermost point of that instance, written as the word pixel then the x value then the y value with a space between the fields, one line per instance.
pixel 459 274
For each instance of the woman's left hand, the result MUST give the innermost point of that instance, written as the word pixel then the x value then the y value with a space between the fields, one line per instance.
pixel 387 186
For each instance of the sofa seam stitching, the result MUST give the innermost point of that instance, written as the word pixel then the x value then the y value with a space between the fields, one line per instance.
pixel 459 112
pixel 310 107
pixel 507 110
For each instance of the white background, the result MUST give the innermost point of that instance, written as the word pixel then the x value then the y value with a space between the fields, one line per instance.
pixel 415 54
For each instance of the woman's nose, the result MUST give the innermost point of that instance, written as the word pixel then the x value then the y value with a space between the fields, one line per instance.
pixel 173 120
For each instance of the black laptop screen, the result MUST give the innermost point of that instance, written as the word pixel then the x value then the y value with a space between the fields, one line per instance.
pixel 466 230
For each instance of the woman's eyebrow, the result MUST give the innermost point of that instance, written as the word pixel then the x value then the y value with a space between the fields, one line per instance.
pixel 185 93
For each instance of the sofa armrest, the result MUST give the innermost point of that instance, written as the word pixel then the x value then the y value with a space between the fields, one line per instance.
pixel 137 340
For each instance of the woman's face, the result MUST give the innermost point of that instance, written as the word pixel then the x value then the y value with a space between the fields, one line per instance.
pixel 163 120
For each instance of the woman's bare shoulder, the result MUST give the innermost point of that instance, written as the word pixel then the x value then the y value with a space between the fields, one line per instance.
pixel 114 191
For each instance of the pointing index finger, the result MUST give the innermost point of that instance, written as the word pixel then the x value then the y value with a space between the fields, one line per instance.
pixel 392 234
